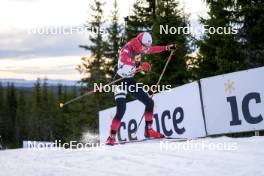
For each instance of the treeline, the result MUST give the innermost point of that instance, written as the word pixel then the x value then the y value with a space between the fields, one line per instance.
pixel 36 115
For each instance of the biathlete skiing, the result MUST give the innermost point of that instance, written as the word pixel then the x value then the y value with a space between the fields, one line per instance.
pixel 127 66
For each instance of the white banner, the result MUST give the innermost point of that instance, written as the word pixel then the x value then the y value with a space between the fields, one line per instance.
pixel 177 113
pixel 234 102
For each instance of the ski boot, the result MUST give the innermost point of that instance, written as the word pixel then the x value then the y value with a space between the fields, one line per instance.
pixel 150 133
pixel 110 140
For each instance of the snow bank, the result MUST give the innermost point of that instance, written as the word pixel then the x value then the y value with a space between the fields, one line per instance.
pixel 89 137
pixel 245 158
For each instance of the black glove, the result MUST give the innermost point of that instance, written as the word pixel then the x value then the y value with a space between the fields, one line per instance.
pixel 137 64
pixel 172 47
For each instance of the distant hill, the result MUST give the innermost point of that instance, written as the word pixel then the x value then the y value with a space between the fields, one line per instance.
pixel 30 83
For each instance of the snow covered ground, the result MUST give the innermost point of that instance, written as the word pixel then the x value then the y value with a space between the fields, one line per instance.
pixel 235 156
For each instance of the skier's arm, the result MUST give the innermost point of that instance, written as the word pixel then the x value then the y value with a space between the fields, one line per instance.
pixel 156 49
pixel 159 49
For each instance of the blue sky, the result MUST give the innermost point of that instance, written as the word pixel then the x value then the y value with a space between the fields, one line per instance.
pixel 29 56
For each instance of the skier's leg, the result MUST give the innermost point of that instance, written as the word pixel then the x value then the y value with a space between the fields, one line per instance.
pixel 120 99
pixel 143 96
pixel 120 111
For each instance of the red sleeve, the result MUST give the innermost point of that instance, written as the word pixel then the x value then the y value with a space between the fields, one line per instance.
pixel 156 49
pixel 126 58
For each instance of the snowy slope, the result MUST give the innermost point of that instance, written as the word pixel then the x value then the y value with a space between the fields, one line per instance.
pixel 140 159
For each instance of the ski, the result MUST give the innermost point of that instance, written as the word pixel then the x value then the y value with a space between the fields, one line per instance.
pixel 152 139
pixel 133 141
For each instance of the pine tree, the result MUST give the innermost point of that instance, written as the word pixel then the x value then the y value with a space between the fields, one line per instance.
pixel 250 16
pixel 113 43
pixel 45 111
pixel 141 19
pixel 21 119
pixel 63 114
pixel 169 15
pixel 11 111
pixel 76 116
pixel 36 113
pixel 93 68
pixel 2 114
pixel 60 120
pixel 52 114
pixel 223 53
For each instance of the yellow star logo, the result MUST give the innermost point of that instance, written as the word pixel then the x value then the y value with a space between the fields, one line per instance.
pixel 229 86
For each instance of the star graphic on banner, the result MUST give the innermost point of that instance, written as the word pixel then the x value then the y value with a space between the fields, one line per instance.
pixel 229 86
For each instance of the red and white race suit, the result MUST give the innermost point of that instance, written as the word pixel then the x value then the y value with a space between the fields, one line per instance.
pixel 126 61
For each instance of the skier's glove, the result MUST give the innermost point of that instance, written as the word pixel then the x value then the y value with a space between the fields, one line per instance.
pixel 137 64
pixel 171 47
pixel 145 66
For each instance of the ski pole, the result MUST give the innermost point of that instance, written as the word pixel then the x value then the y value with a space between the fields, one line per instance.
pixel 161 75
pixel 93 91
